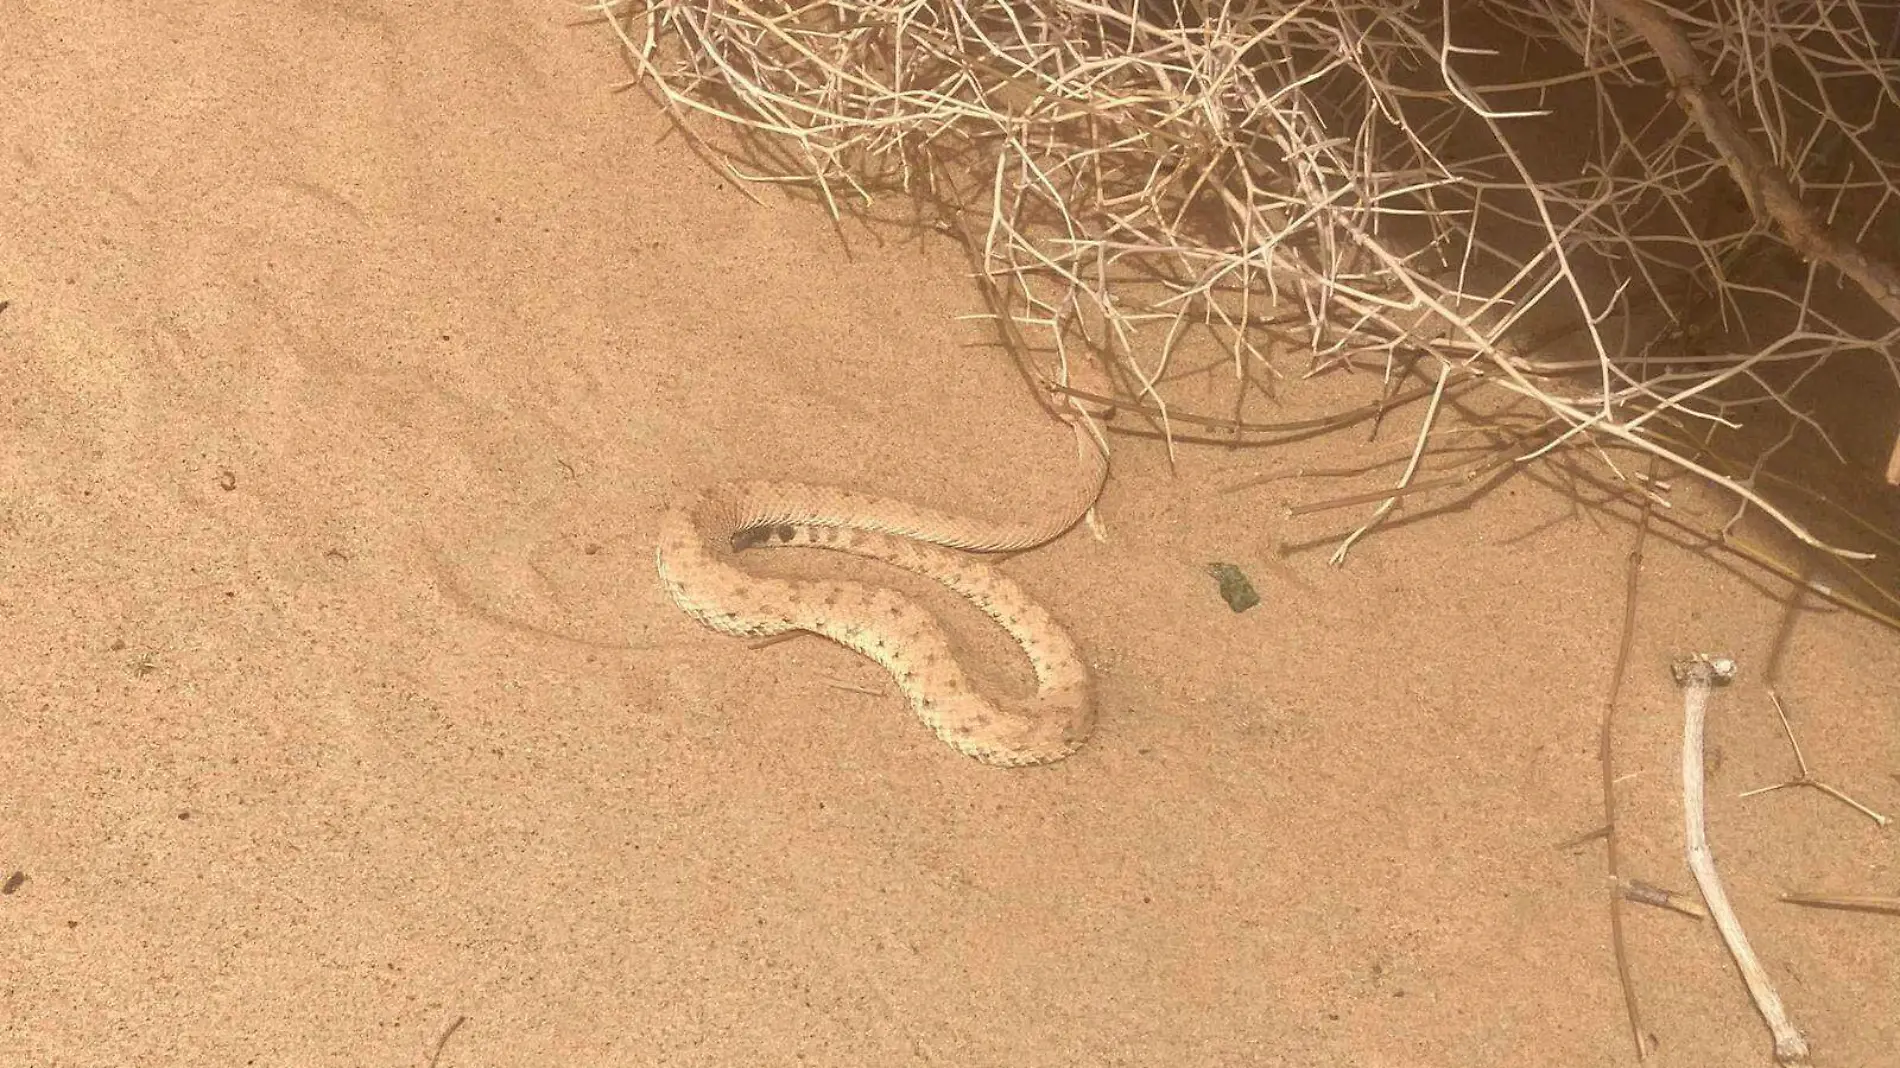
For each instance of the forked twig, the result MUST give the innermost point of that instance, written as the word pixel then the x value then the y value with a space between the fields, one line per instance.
pixel 1806 778
pixel 1411 469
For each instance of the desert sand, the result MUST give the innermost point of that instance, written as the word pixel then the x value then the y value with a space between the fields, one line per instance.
pixel 351 352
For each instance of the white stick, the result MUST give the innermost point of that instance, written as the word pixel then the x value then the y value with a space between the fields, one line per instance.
pixel 1697 675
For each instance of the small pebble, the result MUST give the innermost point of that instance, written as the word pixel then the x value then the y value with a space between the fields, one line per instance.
pixel 1234 587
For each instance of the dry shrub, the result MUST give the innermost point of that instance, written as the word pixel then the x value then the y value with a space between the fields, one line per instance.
pixel 1499 207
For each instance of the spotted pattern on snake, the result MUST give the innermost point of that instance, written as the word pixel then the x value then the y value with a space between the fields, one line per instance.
pixel 699 536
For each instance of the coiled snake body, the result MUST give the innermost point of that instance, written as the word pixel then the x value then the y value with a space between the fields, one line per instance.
pixel 881 623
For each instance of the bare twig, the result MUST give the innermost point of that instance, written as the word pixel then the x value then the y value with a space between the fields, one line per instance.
pixel 443 1041
pixel 1585 838
pixel 1849 902
pixel 1462 478
pixel 1806 778
pixel 1697 675
pixel 1606 758
pixel 1646 894
pixel 1411 468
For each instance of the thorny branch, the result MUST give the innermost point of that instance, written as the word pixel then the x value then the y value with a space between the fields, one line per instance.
pixel 1771 196
pixel 1355 184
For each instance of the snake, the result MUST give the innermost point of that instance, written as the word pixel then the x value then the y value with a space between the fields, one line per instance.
pixel 702 535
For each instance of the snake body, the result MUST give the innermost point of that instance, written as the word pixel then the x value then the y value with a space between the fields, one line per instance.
pixel 698 536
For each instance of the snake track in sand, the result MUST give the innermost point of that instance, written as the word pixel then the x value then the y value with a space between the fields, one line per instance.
pixel 697 536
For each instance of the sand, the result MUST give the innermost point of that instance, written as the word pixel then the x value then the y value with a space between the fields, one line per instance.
pixel 351 352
